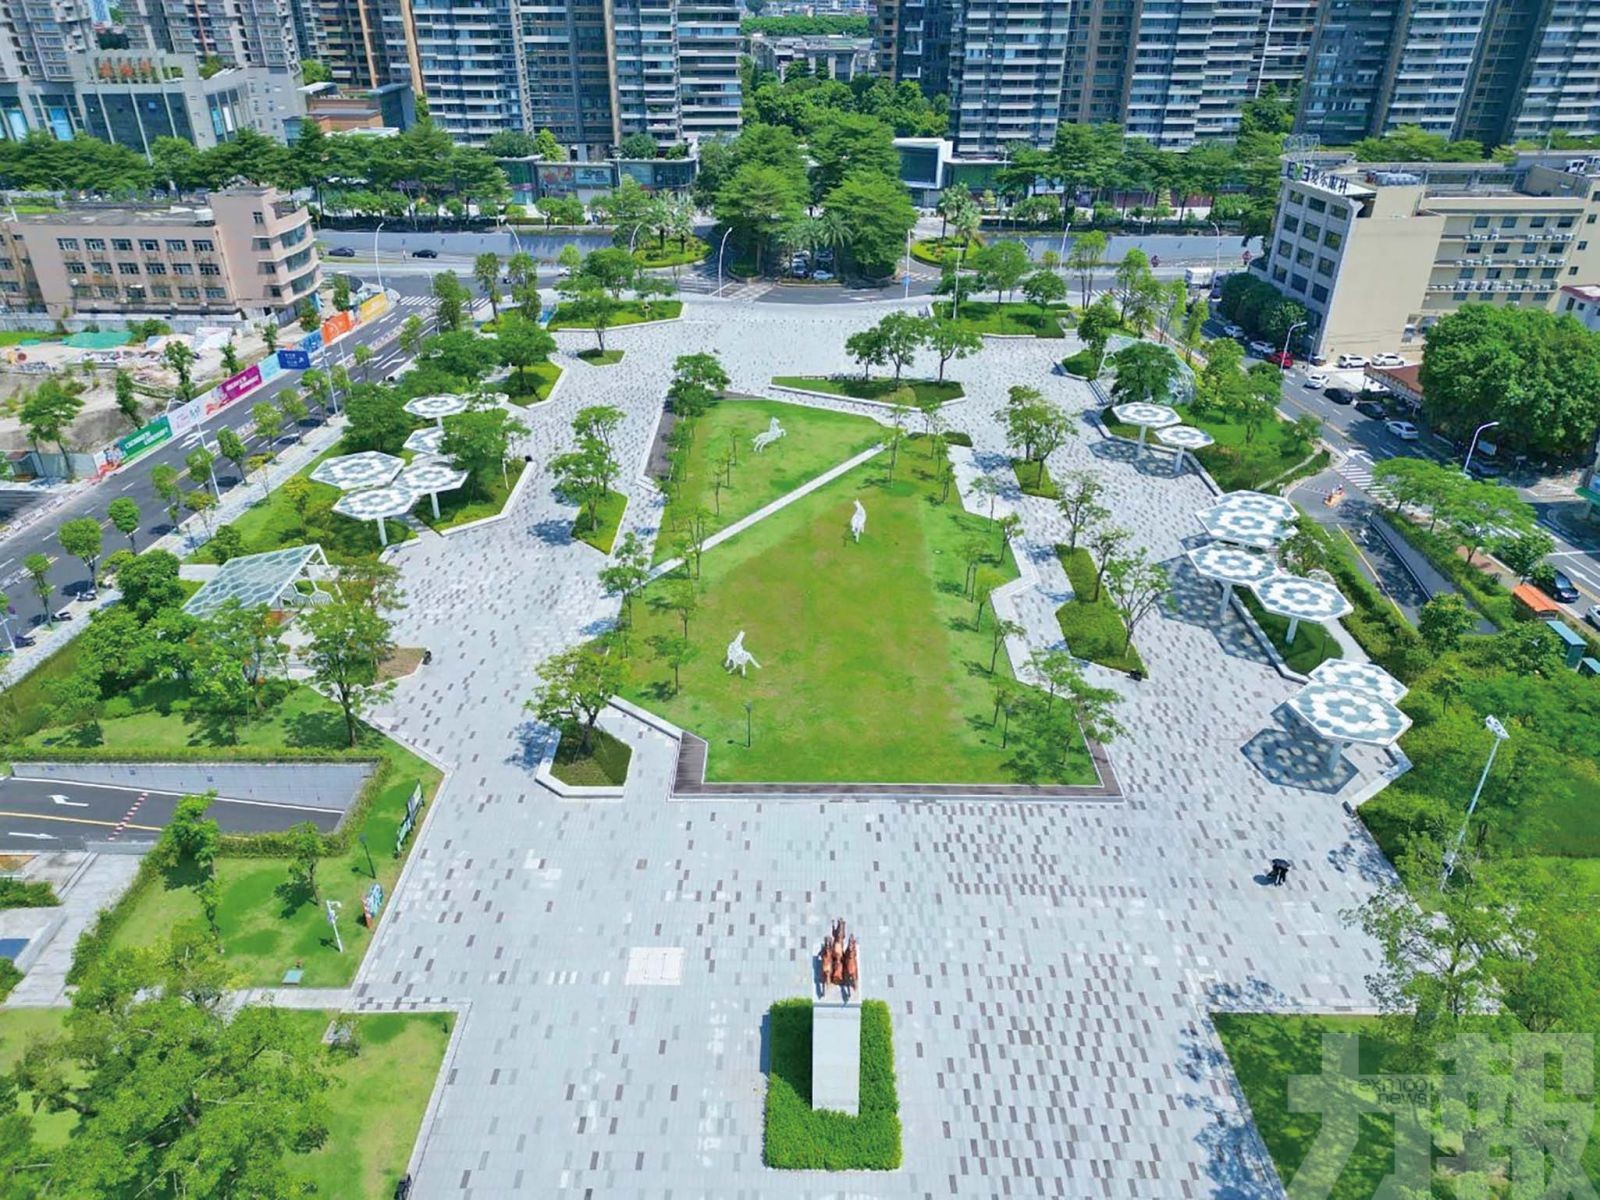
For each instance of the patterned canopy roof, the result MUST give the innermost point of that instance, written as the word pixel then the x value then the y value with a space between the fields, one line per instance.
pixel 1362 676
pixel 391 501
pixel 1345 714
pixel 1184 437
pixel 1230 564
pixel 1259 503
pixel 428 475
pixel 436 408
pixel 1300 598
pixel 1244 528
pixel 351 472
pixel 426 440
pixel 254 579
pixel 1141 413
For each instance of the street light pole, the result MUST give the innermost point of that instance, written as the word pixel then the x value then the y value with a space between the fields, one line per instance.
pixel 908 265
pixel 1216 256
pixel 1289 334
pixel 955 303
pixel 720 249
pixel 1500 735
pixel 1474 446
pixel 376 265
pixel 1062 254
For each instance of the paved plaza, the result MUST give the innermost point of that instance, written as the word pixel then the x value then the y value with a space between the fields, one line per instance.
pixel 1049 965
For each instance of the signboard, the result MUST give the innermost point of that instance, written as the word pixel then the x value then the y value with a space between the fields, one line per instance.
pixel 269 368
pixel 374 306
pixel 186 417
pixel 247 380
pixel 147 438
pixel 336 326
pixel 294 360
pixel 410 820
pixel 312 342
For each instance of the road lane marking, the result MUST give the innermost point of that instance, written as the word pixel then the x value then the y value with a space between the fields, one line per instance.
pixel 43 837
pixel 66 803
pixel 28 816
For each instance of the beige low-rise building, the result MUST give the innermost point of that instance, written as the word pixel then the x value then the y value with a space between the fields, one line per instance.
pixel 1378 255
pixel 243 251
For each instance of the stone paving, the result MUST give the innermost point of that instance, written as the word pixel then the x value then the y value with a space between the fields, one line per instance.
pixel 1048 966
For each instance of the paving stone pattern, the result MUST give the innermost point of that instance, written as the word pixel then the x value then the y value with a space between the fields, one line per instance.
pixel 1048 966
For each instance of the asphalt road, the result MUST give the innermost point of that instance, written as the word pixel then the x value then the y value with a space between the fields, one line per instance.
pixel 42 815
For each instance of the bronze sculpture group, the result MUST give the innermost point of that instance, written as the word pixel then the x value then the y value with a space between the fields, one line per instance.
pixel 839 960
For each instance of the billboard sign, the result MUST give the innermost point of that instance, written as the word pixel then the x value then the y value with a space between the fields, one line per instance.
pixel 294 360
pixel 147 438
pixel 336 326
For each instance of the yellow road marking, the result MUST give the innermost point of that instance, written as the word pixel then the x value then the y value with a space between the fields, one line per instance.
pixel 77 820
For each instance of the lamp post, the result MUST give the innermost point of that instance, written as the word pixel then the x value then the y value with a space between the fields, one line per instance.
pixel 908 265
pixel 1288 334
pixel 722 247
pixel 748 706
pixel 1475 433
pixel 376 265
pixel 955 303
pixel 333 920
pixel 1500 735
pixel 371 870
pixel 1216 256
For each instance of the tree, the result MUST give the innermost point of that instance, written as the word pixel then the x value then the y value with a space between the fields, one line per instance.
pixel 363 355
pixel 697 380
pixel 350 641
pixel 1087 252
pixel 202 502
pixel 269 334
pixel 1477 510
pixel 231 447
pixel 479 439
pixel 1194 324
pixel 191 837
pixel 1137 585
pixel 1044 288
pixel 247 638
pixel 341 292
pixel 676 651
pixel 124 514
pixel 179 357
pixel 951 339
pixel 486 270
pixel 38 568
pixel 628 572
pixel 1303 551
pixel 1524 552
pixel 585 475
pixel 47 413
pixel 127 399
pixel 227 543
pixel 842 144
pixel 1095 327
pixel 867 348
pixel 638 145
pixel 1443 621
pixel 1080 503
pixel 149 585
pixel 201 463
pixel 877 212
pixel 305 851
pixel 1105 542
pixel 82 538
pixel 757 201
pixel 268 420
pixel 450 301
pixel 376 420
pixel 1145 373
pixel 523 344
pixel 574 686
pixel 901 334
pixel 1529 648
pixel 411 334
pixel 1002 265
pixel 589 304
pixel 1035 426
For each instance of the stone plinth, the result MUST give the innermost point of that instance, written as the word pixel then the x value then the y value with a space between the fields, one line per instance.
pixel 836 1056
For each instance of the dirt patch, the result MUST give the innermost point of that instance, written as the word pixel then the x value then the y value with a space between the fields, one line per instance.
pixel 401 663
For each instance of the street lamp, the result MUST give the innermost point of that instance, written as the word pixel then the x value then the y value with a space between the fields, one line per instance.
pixel 376 265
pixel 1216 257
pixel 1474 446
pixel 908 265
pixel 1062 254
pixel 722 247
pixel 1500 735
pixel 955 302
pixel 1289 334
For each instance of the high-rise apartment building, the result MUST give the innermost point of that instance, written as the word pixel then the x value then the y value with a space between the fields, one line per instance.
pixel 1007 67
pixel 913 42
pixel 591 71
pixel 351 39
pixel 1560 87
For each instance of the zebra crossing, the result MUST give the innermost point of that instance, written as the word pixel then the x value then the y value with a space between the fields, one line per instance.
pixel 732 289
pixel 1356 469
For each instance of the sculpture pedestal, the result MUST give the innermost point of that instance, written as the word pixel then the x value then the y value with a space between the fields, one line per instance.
pixel 836 1055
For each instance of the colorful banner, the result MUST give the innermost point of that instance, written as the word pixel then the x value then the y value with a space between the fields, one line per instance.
pixel 294 360
pixel 336 326
pixel 270 368
pixel 374 306
pixel 247 380
pixel 148 438
pixel 312 342
pixel 186 417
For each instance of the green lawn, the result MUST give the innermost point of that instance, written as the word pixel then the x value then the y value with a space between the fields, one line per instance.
pixel 466 504
pixel 854 387
pixel 1234 462
pixel 1313 645
pixel 815 439
pixel 934 251
pixel 872 668
pixel 375 1101
pixel 15 337
pixel 629 312
pixel 672 255
pixel 1267 1049
pixel 1016 318
pixel 1034 479
pixel 601 358
pixel 799 1137
pixel 1082 364
pixel 1094 628
pixel 532 384
pixel 603 532
pixel 273 523
pixel 605 765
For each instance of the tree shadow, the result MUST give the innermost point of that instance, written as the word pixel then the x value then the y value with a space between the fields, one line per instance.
pixel 553 532
pixel 293 894
pixel 318 729
pixel 80 737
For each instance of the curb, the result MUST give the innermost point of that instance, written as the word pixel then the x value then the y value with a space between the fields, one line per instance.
pixel 505 509
pixel 834 396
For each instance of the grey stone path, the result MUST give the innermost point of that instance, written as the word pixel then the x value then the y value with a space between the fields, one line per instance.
pixel 1048 967
pixel 102 879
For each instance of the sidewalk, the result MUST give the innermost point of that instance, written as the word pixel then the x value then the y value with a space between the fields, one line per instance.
pixel 99 886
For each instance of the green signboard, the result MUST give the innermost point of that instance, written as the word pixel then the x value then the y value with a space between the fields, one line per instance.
pixel 147 438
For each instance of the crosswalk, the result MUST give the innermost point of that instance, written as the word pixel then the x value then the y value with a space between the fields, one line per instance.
pixel 1356 469
pixel 732 289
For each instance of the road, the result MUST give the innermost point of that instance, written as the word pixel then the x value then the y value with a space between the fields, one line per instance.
pixel 41 815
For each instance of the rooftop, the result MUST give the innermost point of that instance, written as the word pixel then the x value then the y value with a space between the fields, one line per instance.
pixel 1583 291
pixel 119 214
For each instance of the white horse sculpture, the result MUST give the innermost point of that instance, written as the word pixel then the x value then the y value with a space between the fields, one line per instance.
pixel 738 657
pixel 773 433
pixel 858 522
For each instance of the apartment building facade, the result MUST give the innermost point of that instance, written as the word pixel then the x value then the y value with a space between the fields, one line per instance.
pixel 1377 255
pixel 246 252
pixel 1007 70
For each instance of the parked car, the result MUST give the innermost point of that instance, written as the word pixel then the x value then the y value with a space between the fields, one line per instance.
pixel 1233 331
pixel 821 276
pixel 1279 359
pixel 342 252
pixel 1339 395
pixel 1316 380
pixel 424 254
pixel 1260 349
pixel 1592 615
pixel 1484 469
pixel 1404 430
pixel 1560 587
pixel 1388 360
pixel 1371 408
pixel 1352 361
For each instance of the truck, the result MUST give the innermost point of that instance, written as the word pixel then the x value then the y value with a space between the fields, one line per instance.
pixel 1198 277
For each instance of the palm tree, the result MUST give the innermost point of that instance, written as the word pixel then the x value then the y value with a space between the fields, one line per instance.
pixel 832 232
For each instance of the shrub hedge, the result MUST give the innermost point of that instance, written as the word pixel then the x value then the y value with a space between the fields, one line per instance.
pixel 1380 628
pixel 798 1137
pixel 27 893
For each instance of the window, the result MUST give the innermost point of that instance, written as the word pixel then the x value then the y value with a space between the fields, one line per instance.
pixel 1285 249
pixel 106 293
pixel 203 245
pixel 189 293
pixel 1508 222
pixel 260 218
pixel 1317 204
pixel 183 268
pixel 276 292
pixel 1469 272
pixel 1570 303
pixel 1564 223
pixel 1537 222
pixel 127 268
pixel 1279 274
pixel 1572 270
pixel 121 244
pixel 259 244
pixel 1520 273
pixel 209 268
pixel 1290 224
pixel 6 264
pixel 1461 296
pixel 1583 245
pixel 94 243
pixel 1502 247
pixel 149 244
pixel 77 268
pixel 1338 214
pixel 1298 282
pixel 1313 232
pixel 155 268
pixel 1318 292
pixel 177 244
pixel 1474 249
pixel 1297 197
pixel 101 267
pixel 266 268
pixel 67 243
pixel 1304 258
pixel 1548 273
pixel 161 292
pixel 1332 240
pixel 1493 273
pixel 1589 220
pixel 1480 222
pixel 214 293
pixel 1530 247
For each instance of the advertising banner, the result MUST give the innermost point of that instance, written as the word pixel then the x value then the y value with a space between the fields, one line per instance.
pixel 374 306
pixel 187 417
pixel 312 342
pixel 294 360
pixel 148 438
pixel 247 380
pixel 336 326
pixel 269 368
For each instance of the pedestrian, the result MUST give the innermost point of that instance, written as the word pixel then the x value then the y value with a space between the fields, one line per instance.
pixel 1280 872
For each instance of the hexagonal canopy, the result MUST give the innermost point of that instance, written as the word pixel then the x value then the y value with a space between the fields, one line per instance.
pixel 1362 676
pixel 437 408
pixel 1243 528
pixel 428 475
pixel 1301 599
pixel 370 505
pixel 425 441
pixel 1343 714
pixel 1231 565
pixel 1184 437
pixel 1259 503
pixel 352 472
pixel 1143 413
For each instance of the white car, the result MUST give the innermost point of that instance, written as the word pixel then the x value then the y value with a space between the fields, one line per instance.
pixel 1404 430
pixel 1316 381
pixel 1261 349
pixel 1352 360
pixel 1233 331
pixel 1388 360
